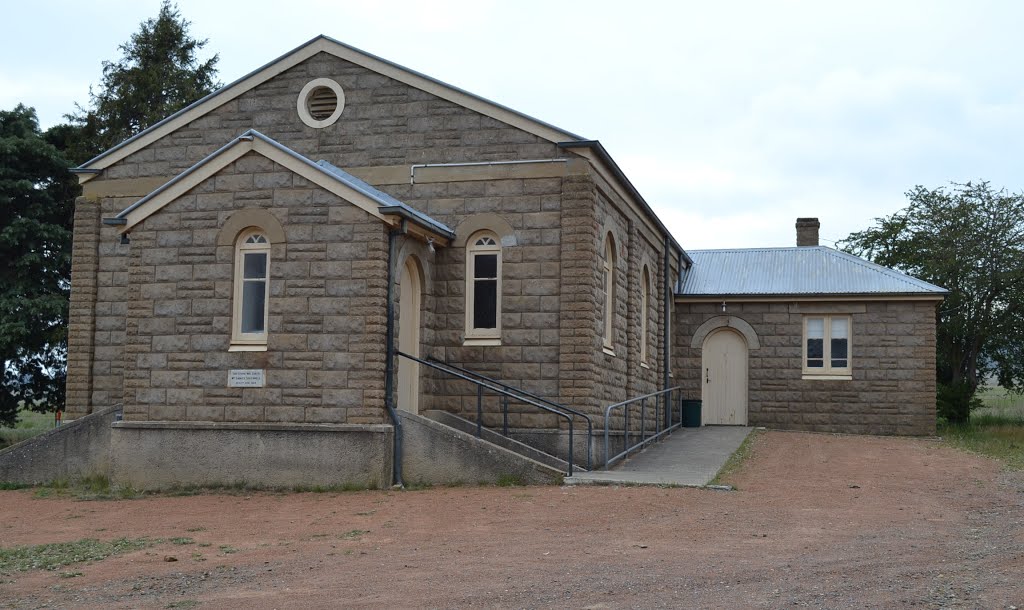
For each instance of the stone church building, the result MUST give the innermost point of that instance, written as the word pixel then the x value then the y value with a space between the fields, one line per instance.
pixel 333 269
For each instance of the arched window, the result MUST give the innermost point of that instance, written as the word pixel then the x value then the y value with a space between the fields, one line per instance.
pixel 252 289
pixel 609 291
pixel 645 303
pixel 483 287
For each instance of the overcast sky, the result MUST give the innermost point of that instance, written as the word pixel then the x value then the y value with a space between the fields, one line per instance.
pixel 731 118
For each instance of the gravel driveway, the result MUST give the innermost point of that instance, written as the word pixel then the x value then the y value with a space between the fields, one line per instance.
pixel 817 520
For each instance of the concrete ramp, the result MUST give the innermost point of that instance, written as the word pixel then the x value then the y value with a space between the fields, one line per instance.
pixel 434 453
pixel 77 449
pixel 689 457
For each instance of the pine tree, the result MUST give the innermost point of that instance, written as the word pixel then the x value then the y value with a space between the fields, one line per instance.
pixel 158 74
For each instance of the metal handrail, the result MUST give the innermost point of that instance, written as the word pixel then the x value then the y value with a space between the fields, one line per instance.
pixel 480 385
pixel 644 439
pixel 551 403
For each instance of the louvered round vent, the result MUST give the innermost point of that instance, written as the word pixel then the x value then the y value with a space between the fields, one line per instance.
pixel 320 102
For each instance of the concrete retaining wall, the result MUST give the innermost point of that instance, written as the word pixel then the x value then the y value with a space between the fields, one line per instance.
pixel 152 455
pixel 437 454
pixel 78 448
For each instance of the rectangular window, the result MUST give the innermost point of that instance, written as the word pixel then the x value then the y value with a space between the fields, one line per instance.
pixel 827 346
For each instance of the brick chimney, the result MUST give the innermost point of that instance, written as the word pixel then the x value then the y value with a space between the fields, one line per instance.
pixel 807 231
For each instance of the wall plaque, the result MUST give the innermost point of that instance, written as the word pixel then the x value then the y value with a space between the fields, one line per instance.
pixel 247 378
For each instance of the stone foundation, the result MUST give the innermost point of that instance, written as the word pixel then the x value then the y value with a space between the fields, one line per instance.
pixel 152 455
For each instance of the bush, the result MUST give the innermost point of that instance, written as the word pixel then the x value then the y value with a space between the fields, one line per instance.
pixel 954 402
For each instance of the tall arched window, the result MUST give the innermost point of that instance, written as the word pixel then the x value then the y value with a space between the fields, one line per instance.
pixel 252 289
pixel 483 287
pixel 609 291
pixel 645 304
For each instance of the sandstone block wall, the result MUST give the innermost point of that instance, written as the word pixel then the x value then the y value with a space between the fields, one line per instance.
pixel 384 122
pixel 622 376
pixel 893 359
pixel 552 290
pixel 325 355
pixel 531 292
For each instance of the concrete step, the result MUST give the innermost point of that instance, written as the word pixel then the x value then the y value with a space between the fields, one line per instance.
pixel 454 421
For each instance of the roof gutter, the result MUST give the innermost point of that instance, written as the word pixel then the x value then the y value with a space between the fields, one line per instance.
pixel 817 295
pixel 404 213
pixel 603 155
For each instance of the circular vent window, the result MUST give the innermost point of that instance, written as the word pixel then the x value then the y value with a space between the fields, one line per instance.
pixel 321 102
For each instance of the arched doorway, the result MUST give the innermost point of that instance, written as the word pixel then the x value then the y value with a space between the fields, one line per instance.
pixel 410 299
pixel 724 378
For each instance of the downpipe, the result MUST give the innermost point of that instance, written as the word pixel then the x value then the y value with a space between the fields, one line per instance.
pixel 389 364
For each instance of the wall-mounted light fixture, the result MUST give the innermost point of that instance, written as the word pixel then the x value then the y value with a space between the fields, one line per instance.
pixel 723 306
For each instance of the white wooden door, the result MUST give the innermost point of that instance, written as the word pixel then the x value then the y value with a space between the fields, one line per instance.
pixel 724 379
pixel 409 300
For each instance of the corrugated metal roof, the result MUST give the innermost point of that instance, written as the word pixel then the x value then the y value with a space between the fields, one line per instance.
pixel 793 271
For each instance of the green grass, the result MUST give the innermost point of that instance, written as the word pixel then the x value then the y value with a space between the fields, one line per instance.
pixel 60 554
pixel 510 480
pixel 29 424
pixel 1001 403
pixel 737 459
pixel 995 430
pixel 92 487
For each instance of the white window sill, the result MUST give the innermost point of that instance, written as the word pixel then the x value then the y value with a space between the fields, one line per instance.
pixel 828 377
pixel 608 351
pixel 481 341
pixel 248 347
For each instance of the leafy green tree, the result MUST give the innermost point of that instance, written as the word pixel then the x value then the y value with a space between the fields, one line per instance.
pixel 968 238
pixel 37 192
pixel 158 74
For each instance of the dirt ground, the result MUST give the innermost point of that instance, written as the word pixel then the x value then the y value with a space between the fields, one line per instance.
pixel 817 520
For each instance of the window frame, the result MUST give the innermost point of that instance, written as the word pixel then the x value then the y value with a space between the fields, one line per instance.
pixel 828 371
pixel 474 335
pixel 608 271
pixel 242 341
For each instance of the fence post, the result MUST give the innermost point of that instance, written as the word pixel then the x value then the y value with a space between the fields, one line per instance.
pixel 643 419
pixel 479 411
pixel 657 414
pixel 572 424
pixel 504 411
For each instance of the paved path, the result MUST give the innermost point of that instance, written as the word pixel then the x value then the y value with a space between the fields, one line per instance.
pixel 689 457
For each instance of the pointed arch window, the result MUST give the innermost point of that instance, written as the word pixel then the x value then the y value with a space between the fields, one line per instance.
pixel 483 287
pixel 609 293
pixel 252 290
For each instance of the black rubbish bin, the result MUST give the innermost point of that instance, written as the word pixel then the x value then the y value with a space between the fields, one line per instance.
pixel 691 413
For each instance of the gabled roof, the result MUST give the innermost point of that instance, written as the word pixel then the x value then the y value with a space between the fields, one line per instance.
pixel 389 205
pixel 375 202
pixel 338 49
pixel 803 271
